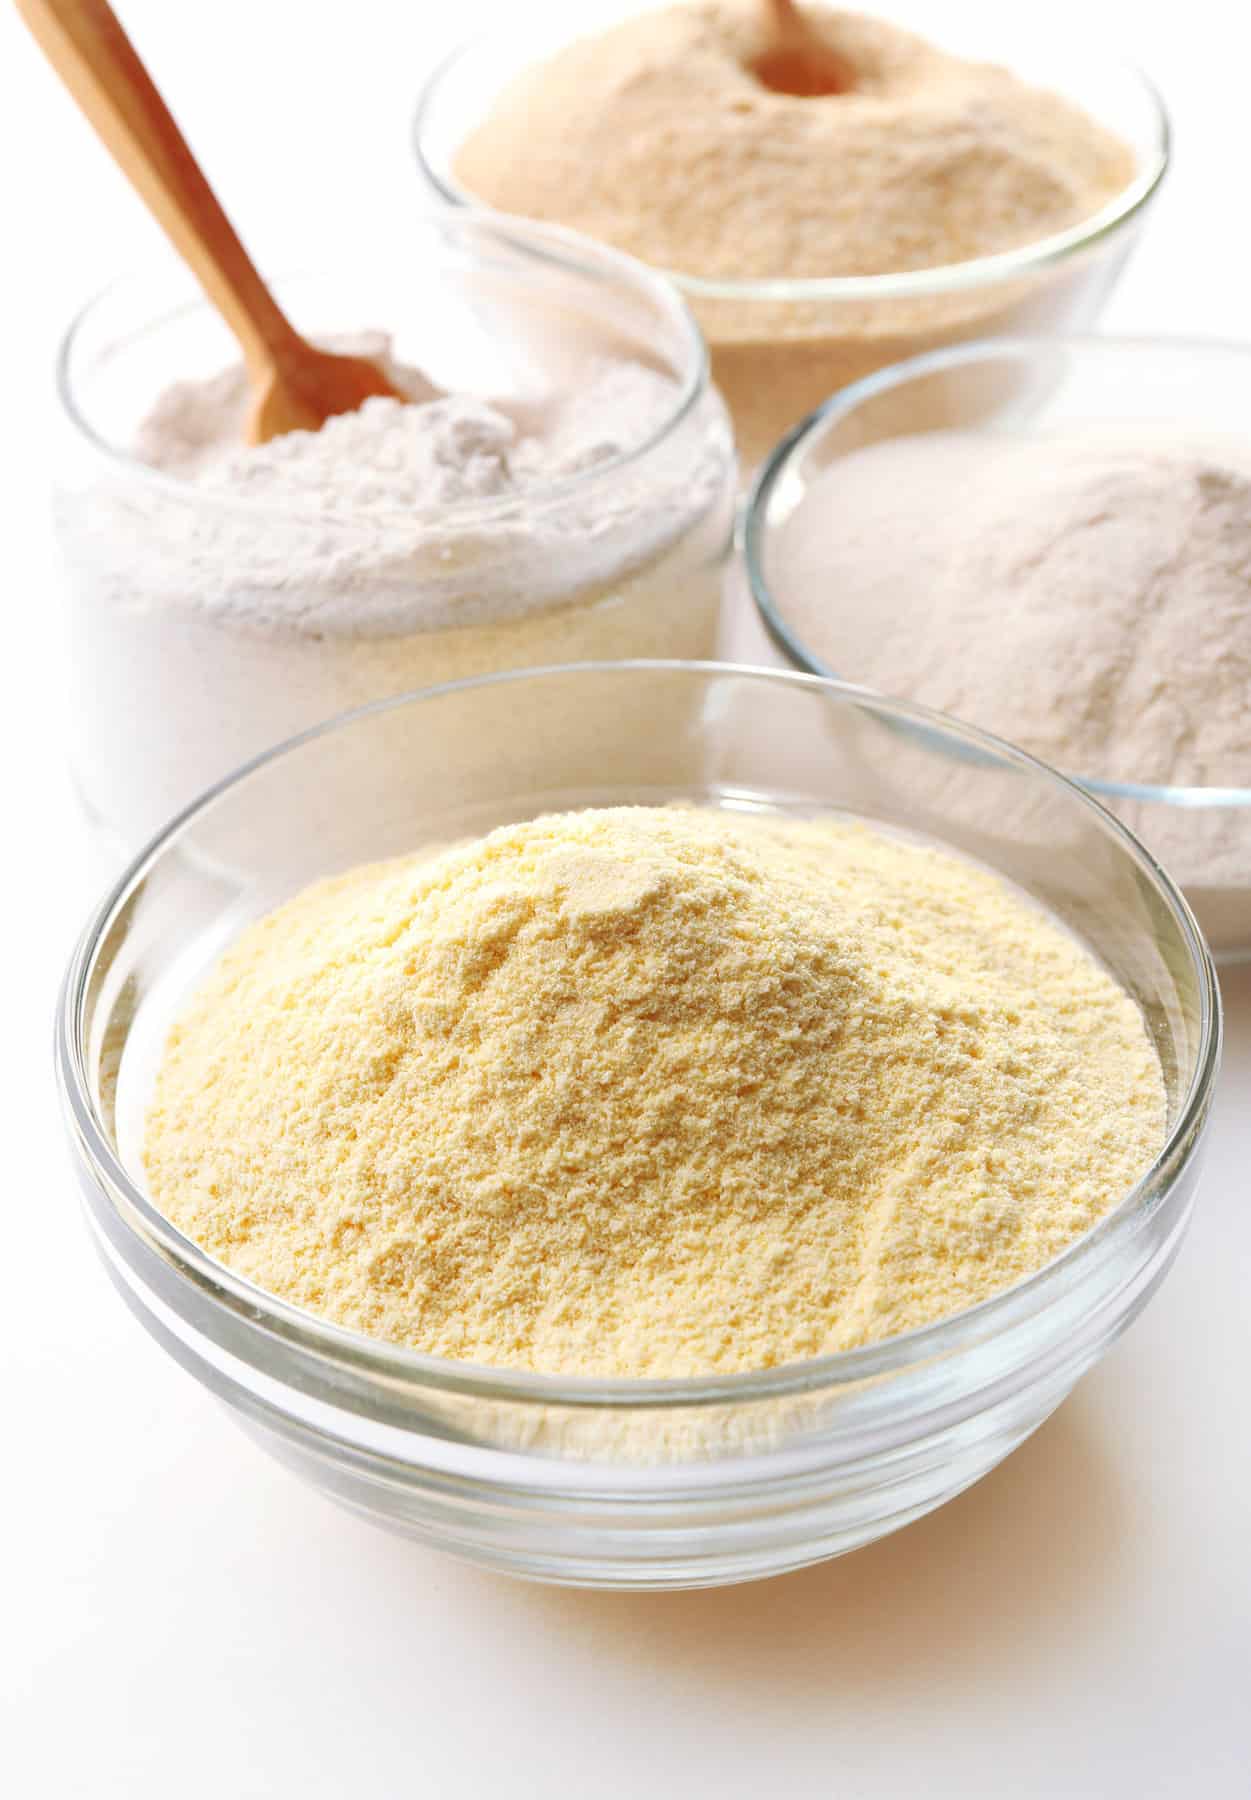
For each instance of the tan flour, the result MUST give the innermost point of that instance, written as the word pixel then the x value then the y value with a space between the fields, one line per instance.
pixel 1084 593
pixel 657 137
pixel 651 1092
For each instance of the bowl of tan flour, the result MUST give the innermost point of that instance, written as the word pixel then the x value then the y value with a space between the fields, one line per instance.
pixel 970 181
pixel 557 484
pixel 1053 541
pixel 663 1155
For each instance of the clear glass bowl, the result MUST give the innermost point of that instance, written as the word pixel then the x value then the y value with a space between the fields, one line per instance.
pixel 1032 388
pixel 625 1483
pixel 204 627
pixel 779 347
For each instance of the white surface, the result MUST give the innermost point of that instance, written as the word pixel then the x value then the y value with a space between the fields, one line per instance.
pixel 180 1616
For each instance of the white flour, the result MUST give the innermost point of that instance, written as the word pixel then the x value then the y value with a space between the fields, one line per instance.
pixel 236 596
pixel 1087 596
pixel 370 526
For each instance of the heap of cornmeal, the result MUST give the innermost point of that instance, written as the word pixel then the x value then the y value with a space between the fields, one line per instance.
pixel 652 1092
pixel 1085 593
pixel 259 590
pixel 659 137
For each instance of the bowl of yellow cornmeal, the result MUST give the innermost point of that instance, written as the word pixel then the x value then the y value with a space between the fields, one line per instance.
pixel 640 1124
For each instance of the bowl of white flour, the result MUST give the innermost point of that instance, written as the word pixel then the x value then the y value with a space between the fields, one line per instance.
pixel 556 486
pixel 1051 540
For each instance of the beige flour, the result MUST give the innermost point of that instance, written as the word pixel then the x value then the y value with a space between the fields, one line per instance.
pixel 1085 593
pixel 657 137
pixel 651 1092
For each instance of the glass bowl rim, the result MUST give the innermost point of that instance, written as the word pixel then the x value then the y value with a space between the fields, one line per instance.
pixel 842 404
pixel 899 1355
pixel 944 278
pixel 552 244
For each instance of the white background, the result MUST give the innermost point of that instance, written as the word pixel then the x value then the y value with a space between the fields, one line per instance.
pixel 177 1615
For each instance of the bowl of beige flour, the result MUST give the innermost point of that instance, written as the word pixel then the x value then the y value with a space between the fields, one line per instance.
pixel 1051 540
pixel 556 484
pixel 970 180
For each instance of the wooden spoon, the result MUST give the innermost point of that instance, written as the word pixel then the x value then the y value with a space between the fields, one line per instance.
pixel 798 60
pixel 295 386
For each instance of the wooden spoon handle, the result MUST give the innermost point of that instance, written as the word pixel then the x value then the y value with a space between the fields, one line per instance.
pixel 786 21
pixel 85 43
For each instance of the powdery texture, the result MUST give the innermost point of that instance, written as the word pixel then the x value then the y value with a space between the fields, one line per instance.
pixel 400 457
pixel 651 1092
pixel 352 530
pixel 1087 595
pixel 402 546
pixel 656 136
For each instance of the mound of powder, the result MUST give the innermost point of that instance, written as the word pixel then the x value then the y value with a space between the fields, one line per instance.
pixel 426 450
pixel 651 1092
pixel 358 538
pixel 240 595
pixel 1085 594
pixel 658 137
pixel 195 426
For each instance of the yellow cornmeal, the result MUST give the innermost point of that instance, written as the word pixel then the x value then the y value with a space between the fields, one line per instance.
pixel 651 1092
